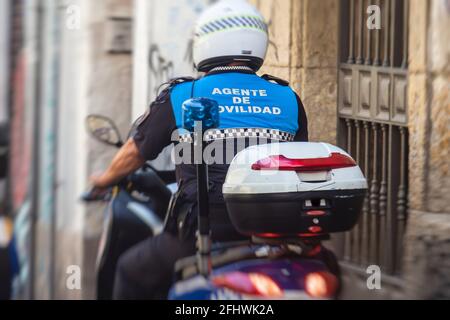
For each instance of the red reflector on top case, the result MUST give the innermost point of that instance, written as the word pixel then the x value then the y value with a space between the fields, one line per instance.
pixel 281 163
pixel 315 229
pixel 315 213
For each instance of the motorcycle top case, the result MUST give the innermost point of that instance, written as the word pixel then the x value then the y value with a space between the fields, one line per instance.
pixel 294 189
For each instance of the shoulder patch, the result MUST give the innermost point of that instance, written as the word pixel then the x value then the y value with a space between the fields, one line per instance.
pixel 280 81
pixel 164 94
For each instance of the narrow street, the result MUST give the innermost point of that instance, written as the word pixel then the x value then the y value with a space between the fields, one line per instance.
pixel 371 77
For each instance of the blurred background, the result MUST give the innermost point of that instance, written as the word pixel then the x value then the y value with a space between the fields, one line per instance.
pixel 382 94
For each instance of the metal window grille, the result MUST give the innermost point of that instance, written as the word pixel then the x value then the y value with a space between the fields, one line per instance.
pixel 372 127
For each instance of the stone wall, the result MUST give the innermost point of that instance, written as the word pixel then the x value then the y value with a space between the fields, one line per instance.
pixel 427 258
pixel 304 50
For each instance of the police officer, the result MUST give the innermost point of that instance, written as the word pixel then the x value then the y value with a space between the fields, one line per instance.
pixel 231 40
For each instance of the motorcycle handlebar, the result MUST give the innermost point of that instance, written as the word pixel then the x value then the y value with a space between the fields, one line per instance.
pixel 95 194
pixel 149 179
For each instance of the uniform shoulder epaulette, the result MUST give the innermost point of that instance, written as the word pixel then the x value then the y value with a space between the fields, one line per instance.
pixel 165 93
pixel 175 81
pixel 280 81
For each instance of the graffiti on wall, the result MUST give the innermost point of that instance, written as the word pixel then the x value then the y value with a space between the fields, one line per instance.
pixel 161 68
pixel 170 51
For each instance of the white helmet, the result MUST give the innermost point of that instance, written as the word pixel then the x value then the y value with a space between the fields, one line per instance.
pixel 230 31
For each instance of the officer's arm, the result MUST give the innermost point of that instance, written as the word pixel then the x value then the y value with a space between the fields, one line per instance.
pixel 151 136
pixel 126 161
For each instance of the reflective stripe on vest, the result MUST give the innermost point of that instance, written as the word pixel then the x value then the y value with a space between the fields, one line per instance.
pixel 234 133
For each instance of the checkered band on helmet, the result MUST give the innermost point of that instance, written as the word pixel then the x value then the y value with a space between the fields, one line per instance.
pixel 232 133
pixel 235 22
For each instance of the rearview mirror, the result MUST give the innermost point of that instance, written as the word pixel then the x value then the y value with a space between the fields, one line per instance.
pixel 104 130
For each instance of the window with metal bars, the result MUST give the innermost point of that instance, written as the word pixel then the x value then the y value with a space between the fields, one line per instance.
pixel 372 111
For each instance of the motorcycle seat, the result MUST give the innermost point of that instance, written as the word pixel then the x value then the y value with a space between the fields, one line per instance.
pixel 226 254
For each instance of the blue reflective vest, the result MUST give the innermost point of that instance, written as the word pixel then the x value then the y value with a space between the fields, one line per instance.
pixel 245 101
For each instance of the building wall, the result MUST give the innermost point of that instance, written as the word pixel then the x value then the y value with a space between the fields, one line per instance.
pixel 21 169
pixel 427 259
pixel 4 60
pixel 47 139
pixel 71 161
pixel 303 50
pixel 61 74
pixel 93 79
pixel 4 93
pixel 110 94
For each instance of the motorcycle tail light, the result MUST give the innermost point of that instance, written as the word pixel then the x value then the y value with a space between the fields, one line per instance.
pixel 321 285
pixel 282 163
pixel 249 283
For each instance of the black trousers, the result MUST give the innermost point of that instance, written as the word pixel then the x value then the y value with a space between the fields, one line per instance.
pixel 146 270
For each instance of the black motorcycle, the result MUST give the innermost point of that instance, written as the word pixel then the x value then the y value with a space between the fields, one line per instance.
pixel 136 207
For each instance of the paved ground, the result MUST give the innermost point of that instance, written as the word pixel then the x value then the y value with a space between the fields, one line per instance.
pixel 355 287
